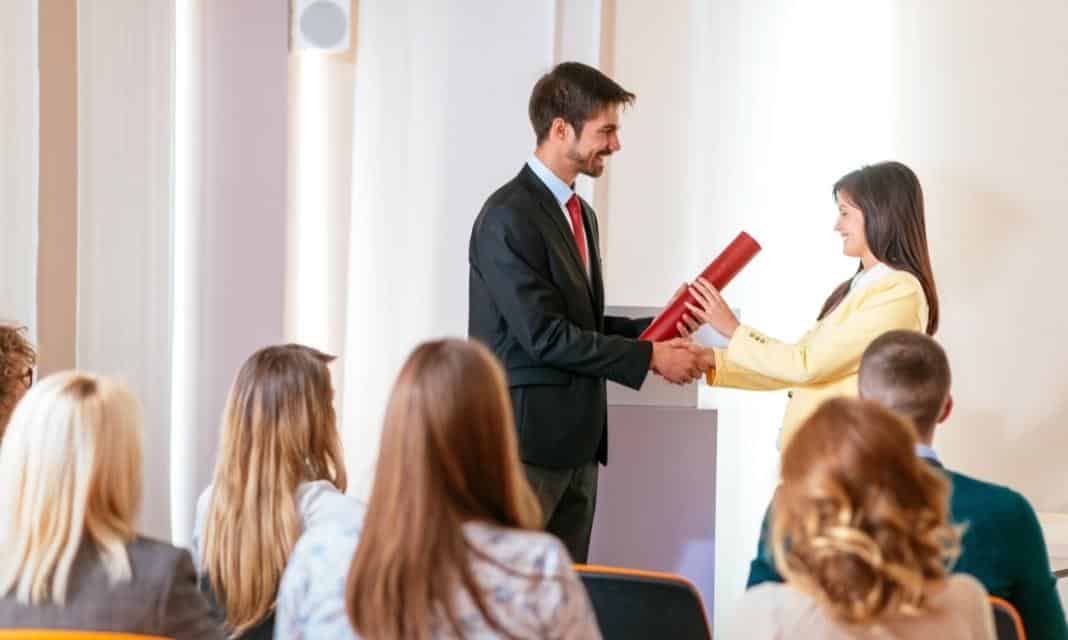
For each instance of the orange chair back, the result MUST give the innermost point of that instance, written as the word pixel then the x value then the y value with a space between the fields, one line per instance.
pixel 59 634
pixel 1007 621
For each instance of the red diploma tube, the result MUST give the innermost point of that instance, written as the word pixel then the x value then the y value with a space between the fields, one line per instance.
pixel 720 272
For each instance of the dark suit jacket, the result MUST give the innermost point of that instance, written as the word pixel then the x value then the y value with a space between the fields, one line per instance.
pixel 1002 547
pixel 533 305
pixel 161 598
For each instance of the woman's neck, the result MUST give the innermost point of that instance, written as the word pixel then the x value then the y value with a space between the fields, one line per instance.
pixel 867 261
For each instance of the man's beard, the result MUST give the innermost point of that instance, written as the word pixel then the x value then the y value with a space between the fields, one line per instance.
pixel 587 165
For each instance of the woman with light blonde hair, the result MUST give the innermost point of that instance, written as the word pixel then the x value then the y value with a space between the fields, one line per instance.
pixel 450 547
pixel 70 491
pixel 279 472
pixel 861 533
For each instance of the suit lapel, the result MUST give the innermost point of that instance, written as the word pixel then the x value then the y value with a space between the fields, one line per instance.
pixel 565 235
pixel 594 249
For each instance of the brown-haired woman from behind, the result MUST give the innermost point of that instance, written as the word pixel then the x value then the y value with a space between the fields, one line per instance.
pixel 861 534
pixel 449 548
pixel 70 493
pixel 279 471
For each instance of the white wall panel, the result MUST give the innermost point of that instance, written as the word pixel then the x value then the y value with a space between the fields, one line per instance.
pixel 231 256
pixel 440 123
pixel 125 78
pixel 18 162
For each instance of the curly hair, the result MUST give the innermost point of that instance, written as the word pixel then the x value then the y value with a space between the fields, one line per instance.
pixel 861 523
pixel 17 359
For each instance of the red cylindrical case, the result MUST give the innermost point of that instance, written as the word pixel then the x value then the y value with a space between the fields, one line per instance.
pixel 720 272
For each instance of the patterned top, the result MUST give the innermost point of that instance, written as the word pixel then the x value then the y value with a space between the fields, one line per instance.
pixel 549 601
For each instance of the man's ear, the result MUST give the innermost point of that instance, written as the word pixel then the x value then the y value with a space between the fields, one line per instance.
pixel 947 409
pixel 559 128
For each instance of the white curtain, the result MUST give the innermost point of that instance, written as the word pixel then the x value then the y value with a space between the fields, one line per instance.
pixel 440 122
pixel 18 162
pixel 125 79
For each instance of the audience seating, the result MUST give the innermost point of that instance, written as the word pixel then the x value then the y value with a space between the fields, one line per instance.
pixel 633 604
pixel 1007 621
pixel 57 634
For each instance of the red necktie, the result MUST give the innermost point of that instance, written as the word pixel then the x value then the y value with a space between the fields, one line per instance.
pixel 575 209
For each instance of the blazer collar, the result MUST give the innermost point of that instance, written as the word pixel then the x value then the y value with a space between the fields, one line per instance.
pixel 549 206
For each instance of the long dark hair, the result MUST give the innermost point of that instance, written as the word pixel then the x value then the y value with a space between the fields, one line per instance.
pixel 890 196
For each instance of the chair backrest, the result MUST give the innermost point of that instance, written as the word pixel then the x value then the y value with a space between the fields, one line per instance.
pixel 1007 621
pixel 59 634
pixel 644 604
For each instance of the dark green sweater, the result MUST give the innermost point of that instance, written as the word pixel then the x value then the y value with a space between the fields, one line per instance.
pixel 1002 547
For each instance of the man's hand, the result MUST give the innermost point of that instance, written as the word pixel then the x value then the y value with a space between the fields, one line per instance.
pixel 680 361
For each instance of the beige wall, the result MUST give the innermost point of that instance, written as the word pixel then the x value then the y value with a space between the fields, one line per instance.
pixel 982 98
pixel 58 210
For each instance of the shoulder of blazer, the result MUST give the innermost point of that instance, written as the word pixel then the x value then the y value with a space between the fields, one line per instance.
pixel 154 559
pixel 517 208
pixel 897 282
pixel 524 191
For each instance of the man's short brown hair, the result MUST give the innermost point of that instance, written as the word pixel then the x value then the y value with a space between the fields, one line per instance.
pixel 575 92
pixel 17 359
pixel 908 372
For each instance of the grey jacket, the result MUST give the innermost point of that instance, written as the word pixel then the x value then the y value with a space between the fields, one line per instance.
pixel 161 598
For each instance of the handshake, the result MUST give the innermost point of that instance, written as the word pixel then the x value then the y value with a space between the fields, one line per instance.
pixel 680 361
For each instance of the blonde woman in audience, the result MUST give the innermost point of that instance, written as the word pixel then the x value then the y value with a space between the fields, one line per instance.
pixel 279 471
pixel 17 359
pixel 449 548
pixel 861 534
pixel 70 491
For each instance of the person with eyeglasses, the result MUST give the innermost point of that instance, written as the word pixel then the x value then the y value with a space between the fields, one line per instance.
pixel 17 360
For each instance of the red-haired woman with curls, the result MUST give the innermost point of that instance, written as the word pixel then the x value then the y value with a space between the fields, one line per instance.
pixel 861 534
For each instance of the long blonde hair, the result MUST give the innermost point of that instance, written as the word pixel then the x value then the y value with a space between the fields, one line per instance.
pixel 70 471
pixel 448 455
pixel 860 521
pixel 278 430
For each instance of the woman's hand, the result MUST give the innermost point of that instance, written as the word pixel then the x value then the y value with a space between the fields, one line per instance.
pixel 711 309
pixel 687 326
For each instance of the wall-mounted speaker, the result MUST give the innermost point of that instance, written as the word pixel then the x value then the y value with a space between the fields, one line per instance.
pixel 320 25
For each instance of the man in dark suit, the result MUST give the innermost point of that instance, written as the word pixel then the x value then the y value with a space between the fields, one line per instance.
pixel 537 300
pixel 1002 546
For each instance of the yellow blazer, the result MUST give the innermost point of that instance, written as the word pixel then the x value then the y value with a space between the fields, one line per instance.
pixel 824 362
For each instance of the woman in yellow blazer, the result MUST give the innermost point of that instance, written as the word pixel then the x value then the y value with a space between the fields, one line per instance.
pixel 881 221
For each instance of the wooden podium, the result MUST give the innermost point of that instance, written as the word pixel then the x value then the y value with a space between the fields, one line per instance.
pixel 656 499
